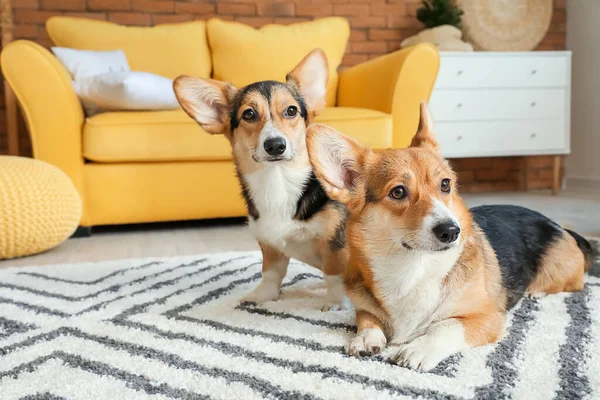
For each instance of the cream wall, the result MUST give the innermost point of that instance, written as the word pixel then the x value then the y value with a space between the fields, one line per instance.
pixel 583 38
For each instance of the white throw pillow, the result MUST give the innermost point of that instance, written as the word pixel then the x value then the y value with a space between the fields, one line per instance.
pixel 84 63
pixel 127 91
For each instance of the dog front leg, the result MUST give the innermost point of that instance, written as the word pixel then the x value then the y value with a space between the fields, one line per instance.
pixel 333 268
pixel 274 268
pixel 369 338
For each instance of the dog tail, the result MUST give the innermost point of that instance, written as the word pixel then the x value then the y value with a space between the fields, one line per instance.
pixel 589 252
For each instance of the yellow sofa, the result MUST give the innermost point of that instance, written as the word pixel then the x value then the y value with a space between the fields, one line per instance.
pixel 133 167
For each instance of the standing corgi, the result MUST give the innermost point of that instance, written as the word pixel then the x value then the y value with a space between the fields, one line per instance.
pixel 290 214
pixel 424 271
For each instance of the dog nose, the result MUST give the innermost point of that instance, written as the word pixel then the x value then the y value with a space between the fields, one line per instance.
pixel 446 232
pixel 275 146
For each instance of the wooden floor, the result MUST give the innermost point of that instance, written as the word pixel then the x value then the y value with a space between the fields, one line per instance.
pixel 578 210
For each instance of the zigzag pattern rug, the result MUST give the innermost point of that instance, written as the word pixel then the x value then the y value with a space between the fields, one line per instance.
pixel 173 328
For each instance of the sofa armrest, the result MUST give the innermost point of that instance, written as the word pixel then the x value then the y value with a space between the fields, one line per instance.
pixel 395 83
pixel 50 106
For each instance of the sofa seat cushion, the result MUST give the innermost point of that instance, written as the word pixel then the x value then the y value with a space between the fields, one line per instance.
pixel 147 136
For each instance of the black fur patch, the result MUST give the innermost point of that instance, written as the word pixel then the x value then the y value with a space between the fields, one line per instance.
pixel 252 211
pixel 312 201
pixel 265 89
pixel 520 237
pixel 339 238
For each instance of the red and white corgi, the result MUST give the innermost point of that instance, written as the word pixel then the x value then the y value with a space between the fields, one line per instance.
pixel 289 212
pixel 424 271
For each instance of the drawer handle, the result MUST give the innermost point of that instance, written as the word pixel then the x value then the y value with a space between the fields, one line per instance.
pixel 533 135
pixel 533 71
pixel 533 104
pixel 459 105
pixel 459 72
pixel 459 138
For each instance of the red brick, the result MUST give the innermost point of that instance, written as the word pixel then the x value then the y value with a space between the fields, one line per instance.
pixel 33 16
pixel 537 162
pixel 276 9
pixel 350 10
pixel 358 35
pixel 460 164
pixel 466 176
pixel 393 45
pixel 385 34
pixel 194 8
pixel 255 22
pixel 368 22
pixel 558 27
pixel 130 18
pixel 495 174
pixel 171 18
pixel 402 21
pixel 388 9
pixel 411 9
pixel 313 10
pixel 90 15
pixel 109 5
pixel 153 6
pixel 62 5
pixel 555 38
pixel 366 1
pixel 350 60
pixel 559 16
pixel 369 47
pixel 507 162
pixel 236 9
pixel 291 20
pixel 24 32
pixel 16 4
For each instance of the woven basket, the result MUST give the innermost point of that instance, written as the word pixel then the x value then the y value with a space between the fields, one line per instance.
pixel 505 25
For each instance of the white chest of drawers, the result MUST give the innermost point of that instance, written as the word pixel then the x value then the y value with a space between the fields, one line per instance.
pixel 503 104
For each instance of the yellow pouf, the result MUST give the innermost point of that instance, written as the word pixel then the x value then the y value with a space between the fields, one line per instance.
pixel 39 207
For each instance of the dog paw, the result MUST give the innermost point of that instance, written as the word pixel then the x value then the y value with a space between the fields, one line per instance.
pixel 367 343
pixel 420 354
pixel 337 305
pixel 261 294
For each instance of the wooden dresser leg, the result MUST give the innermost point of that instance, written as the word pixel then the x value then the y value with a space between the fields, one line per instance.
pixel 556 175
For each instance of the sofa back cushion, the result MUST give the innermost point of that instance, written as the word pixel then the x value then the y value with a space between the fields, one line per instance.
pixel 243 55
pixel 168 50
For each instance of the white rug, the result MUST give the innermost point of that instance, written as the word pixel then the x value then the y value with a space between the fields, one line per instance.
pixel 173 328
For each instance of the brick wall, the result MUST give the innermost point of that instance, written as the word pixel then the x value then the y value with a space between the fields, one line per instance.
pixel 378 26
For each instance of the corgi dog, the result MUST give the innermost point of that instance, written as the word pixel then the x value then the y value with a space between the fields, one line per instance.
pixel 290 215
pixel 425 273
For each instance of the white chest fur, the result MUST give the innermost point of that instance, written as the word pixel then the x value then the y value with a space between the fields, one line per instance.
pixel 409 285
pixel 275 191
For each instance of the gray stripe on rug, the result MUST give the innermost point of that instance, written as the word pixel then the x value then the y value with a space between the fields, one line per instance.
pixel 574 384
pixel 95 281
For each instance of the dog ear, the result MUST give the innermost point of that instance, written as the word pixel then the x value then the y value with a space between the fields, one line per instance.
pixel 336 159
pixel 206 101
pixel 310 78
pixel 425 136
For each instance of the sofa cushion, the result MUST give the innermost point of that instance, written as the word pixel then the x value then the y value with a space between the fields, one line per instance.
pixel 146 136
pixel 168 50
pixel 242 54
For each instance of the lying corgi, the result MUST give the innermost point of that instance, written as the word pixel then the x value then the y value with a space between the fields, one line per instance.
pixel 424 271
pixel 290 214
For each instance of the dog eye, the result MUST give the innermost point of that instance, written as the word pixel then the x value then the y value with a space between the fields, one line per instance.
pixel 291 111
pixel 249 115
pixel 446 185
pixel 398 193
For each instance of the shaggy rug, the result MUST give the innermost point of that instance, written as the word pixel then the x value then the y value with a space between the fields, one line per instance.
pixel 173 328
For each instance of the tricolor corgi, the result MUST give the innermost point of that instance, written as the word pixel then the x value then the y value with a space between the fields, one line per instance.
pixel 425 272
pixel 289 212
